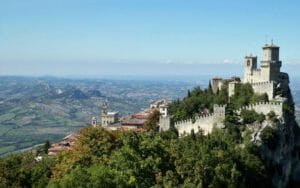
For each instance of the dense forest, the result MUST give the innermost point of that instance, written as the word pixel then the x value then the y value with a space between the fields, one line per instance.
pixel 104 159
pixel 225 158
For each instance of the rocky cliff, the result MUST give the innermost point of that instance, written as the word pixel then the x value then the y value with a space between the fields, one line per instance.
pixel 281 152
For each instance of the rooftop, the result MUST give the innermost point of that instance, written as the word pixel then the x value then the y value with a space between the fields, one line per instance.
pixel 270 46
pixel 112 113
pixel 134 121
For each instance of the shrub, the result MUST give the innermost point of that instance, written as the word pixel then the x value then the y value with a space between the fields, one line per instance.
pixel 249 116
pixel 272 116
pixel 268 136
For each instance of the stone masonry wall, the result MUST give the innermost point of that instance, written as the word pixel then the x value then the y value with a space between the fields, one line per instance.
pixel 164 123
pixel 265 108
pixel 264 87
pixel 205 122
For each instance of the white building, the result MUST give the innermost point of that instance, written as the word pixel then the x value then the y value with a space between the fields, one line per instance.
pixel 108 118
pixel 94 121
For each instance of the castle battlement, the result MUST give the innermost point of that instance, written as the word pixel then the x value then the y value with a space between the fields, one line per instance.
pixel 262 83
pixel 197 118
pixel 205 122
pixel 267 87
pixel 263 80
pixel 265 107
pixel 208 121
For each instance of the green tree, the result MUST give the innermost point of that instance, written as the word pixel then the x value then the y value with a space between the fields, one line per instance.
pixel 142 159
pixel 250 116
pixel 152 121
pixel 272 116
pixel 268 136
pixel 93 144
pixel 47 145
pixel 23 170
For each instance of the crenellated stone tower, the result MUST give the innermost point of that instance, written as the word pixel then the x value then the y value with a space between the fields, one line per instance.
pixel 269 68
pixel 268 77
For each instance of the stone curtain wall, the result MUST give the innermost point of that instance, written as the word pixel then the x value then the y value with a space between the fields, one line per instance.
pixel 205 122
pixel 264 87
pixel 265 108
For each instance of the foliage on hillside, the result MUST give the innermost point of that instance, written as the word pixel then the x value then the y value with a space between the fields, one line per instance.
pixel 24 170
pixel 244 95
pixel 198 101
pixel 129 159
pixel 100 158
pixel 152 121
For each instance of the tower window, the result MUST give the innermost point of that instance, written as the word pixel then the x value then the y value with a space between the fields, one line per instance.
pixel 248 62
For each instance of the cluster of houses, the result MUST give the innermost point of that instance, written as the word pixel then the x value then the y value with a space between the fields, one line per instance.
pixel 111 121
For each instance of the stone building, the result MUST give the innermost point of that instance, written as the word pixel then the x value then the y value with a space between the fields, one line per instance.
pixel 164 118
pixel 94 121
pixel 264 79
pixel 108 118
pixel 217 82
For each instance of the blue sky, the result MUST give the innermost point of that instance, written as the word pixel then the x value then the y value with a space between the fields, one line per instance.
pixel 94 37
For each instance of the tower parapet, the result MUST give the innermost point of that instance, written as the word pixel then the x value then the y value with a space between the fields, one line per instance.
pixel 269 66
pixel 264 80
pixel 270 52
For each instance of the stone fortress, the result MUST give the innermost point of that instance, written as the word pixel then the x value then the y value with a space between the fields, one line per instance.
pixel 263 80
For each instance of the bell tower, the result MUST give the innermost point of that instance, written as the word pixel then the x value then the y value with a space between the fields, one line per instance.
pixel 104 109
pixel 250 65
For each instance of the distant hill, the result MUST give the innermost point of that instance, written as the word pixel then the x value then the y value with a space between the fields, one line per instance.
pixel 33 110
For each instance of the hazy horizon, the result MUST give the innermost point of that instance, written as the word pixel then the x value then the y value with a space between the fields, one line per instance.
pixel 142 38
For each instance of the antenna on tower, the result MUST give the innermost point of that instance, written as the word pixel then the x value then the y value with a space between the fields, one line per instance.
pixel 266 39
pixel 271 41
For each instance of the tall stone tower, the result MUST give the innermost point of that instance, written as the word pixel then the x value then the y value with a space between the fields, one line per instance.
pixel 104 109
pixel 270 64
pixel 250 67
pixel 104 113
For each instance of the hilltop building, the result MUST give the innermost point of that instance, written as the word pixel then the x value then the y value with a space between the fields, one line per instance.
pixel 108 118
pixel 217 82
pixel 266 79
pixel 269 76
pixel 137 120
pixel 94 121
pixel 111 121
